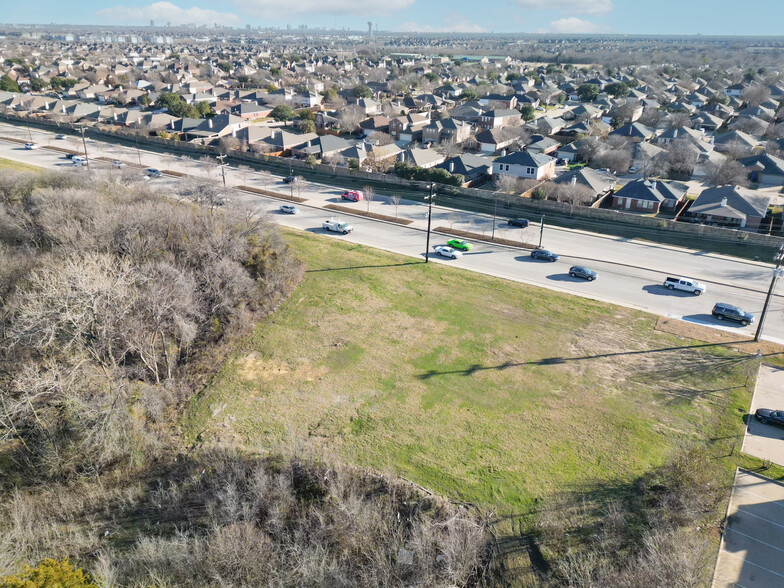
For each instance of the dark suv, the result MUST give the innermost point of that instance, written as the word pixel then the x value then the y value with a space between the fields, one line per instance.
pixel 518 222
pixel 732 313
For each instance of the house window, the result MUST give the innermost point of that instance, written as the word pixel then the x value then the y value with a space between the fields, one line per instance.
pixel 507 167
pixel 530 171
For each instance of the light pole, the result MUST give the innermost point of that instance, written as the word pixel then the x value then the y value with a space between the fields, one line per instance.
pixel 84 144
pixel 776 273
pixel 223 173
pixel 429 199
pixel 541 232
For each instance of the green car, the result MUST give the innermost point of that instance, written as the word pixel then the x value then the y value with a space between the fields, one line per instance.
pixel 460 244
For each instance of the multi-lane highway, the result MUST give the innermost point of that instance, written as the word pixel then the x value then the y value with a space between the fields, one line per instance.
pixel 630 272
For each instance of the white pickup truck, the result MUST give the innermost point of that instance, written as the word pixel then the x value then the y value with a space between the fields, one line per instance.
pixel 686 284
pixel 337 226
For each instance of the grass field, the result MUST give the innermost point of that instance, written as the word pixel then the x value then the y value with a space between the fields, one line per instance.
pixel 485 390
pixel 9 164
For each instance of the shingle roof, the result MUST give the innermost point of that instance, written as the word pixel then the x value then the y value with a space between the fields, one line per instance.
pixel 525 158
pixel 741 202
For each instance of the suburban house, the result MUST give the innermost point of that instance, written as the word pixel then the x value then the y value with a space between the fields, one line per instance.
pixel 323 146
pixel 598 182
pixel 446 129
pixel 375 124
pixel 248 110
pixel 474 168
pixel 499 100
pixel 764 169
pixel 734 140
pixel 670 135
pixel 729 206
pixel 205 130
pixel 635 132
pixel 408 128
pixel 541 144
pixel 493 140
pixel 522 164
pixel 496 119
pixel 424 158
pixel 550 126
pixel 651 196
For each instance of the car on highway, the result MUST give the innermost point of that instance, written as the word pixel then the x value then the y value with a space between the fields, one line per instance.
pixel 289 209
pixel 722 311
pixel 151 172
pixel 518 222
pixel 449 252
pixel 580 271
pixel 460 244
pixel 31 146
pixel 118 164
pixel 767 416
pixel 78 161
pixel 353 195
pixel 59 137
pixel 289 179
pixel 544 254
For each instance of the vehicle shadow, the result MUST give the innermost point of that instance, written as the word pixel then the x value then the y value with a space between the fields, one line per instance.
pixel 757 429
pixel 529 259
pixel 565 278
pixel 708 319
pixel 659 290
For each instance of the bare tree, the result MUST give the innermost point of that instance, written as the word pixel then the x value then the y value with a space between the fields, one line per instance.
pixel 726 172
pixel 370 195
pixel 298 182
pixel 506 184
pixel 678 120
pixel 756 95
pixel 395 198
pixel 681 156
pixel 350 117
pixel 450 148
pixel 245 171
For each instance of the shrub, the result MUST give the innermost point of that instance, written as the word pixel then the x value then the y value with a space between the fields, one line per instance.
pixel 50 573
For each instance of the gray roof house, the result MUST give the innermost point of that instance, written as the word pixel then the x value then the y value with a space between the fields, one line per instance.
pixel 522 164
pixel 764 169
pixel 729 206
pixel 651 196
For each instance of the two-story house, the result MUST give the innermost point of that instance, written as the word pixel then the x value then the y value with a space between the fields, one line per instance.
pixel 535 166
pixel 496 119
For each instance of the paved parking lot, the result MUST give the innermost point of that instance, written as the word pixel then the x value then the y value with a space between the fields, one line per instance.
pixel 766 441
pixel 752 548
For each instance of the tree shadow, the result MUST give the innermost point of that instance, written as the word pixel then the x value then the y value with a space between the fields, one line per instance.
pixel 358 267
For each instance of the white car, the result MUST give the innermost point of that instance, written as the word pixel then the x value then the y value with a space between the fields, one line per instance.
pixel 59 137
pixel 118 164
pixel 449 252
pixel 289 209
pixel 31 146
pixel 151 172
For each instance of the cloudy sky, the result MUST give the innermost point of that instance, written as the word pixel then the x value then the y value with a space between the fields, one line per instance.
pixel 707 17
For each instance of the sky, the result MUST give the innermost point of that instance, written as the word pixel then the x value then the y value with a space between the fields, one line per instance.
pixel 666 17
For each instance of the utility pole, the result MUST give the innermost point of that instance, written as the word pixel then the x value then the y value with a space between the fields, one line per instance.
pixel 223 173
pixel 84 144
pixel 776 273
pixel 430 199
pixel 541 231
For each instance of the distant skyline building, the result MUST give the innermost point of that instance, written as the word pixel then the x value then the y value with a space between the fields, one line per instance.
pixel 152 23
pixel 370 29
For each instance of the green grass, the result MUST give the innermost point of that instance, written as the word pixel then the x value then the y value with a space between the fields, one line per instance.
pixel 478 388
pixel 9 164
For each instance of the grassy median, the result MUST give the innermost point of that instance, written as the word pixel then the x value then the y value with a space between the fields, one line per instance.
pixel 481 389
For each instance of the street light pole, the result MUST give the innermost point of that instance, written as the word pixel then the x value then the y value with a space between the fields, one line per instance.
pixel 223 173
pixel 429 217
pixel 138 153
pixel 773 280
pixel 495 210
pixel 541 231
pixel 84 144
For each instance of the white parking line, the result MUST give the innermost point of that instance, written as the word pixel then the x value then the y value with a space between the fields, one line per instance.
pixel 746 561
pixel 755 539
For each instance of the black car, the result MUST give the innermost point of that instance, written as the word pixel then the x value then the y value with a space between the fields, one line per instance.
pixel 723 311
pixel 767 416
pixel 580 271
pixel 544 254
pixel 289 179
pixel 518 222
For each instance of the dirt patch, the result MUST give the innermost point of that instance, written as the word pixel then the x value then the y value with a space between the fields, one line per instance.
pixel 253 368
pixel 383 217
pixel 480 237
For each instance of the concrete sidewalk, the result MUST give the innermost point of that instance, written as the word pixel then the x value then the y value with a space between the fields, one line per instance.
pixel 766 441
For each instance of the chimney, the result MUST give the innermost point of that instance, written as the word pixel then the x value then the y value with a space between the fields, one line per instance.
pixel 675 134
pixel 451 167
pixel 723 202
pixel 209 122
pixel 653 185
pixel 574 180
pixel 503 153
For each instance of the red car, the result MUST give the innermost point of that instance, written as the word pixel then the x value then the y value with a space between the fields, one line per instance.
pixel 353 195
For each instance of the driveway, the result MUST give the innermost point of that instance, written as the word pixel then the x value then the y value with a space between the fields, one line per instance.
pixel 766 441
pixel 752 547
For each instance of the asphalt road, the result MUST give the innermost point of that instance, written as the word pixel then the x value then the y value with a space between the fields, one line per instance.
pixel 630 272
